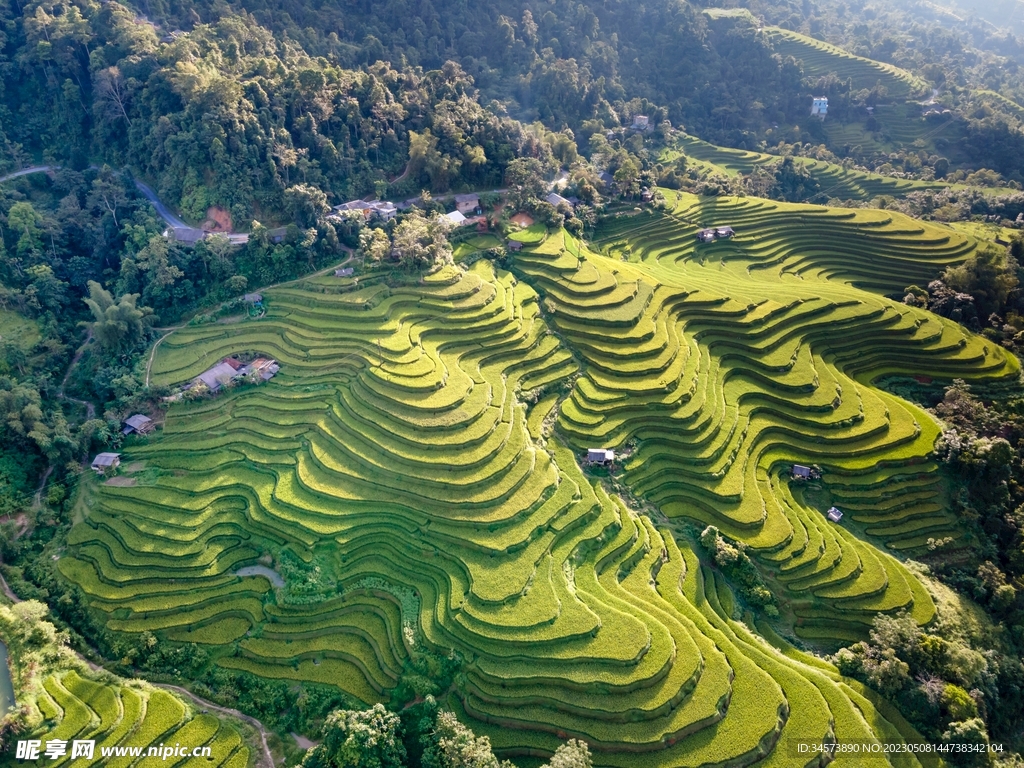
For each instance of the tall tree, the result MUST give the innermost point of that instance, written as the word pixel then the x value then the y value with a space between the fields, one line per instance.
pixel 117 326
pixel 352 739
pixel 450 744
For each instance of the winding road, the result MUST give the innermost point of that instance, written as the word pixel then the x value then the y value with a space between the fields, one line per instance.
pixel 27 171
pixel 182 230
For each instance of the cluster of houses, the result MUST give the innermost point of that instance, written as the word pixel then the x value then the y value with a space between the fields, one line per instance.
pixel 380 209
pixel 801 473
pixel 715 233
pixel 137 424
pixel 467 209
pixel 231 369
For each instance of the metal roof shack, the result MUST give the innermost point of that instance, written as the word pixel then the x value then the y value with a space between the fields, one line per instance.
pixel 138 423
pixel 105 461
pixel 600 455
pixel 515 245
pixel 724 232
pixel 706 235
pixel 253 298
pixel 187 235
pixel 456 217
pixel 834 515
pixel 556 200
pixel 346 272
pixel 801 472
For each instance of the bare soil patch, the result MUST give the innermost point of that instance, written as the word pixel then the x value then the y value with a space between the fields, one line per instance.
pixel 217 220
pixel 121 482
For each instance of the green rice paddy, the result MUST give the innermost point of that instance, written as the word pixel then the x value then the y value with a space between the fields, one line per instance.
pixel 834 181
pixel 129 715
pixel 405 453
pixel 820 59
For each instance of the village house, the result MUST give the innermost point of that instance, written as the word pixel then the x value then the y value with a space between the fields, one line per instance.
pixel 261 367
pixel 138 425
pixel 556 200
pixel 216 377
pixel 834 515
pixel 646 195
pixel 801 472
pixel 641 123
pixel 514 245
pixel 253 298
pixel 346 272
pixel 819 107
pixel 600 456
pixel 381 209
pixel 186 235
pixel 468 204
pixel 715 233
pixel 106 462
pixel 457 218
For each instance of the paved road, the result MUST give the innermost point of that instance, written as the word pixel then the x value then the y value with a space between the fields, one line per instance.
pixel 27 171
pixel 162 209
pixel 182 230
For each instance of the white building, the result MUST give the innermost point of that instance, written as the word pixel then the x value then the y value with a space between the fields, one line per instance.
pixel 819 107
pixel 600 455
pixel 457 218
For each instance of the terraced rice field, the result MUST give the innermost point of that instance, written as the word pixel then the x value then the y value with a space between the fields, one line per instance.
pixel 130 716
pixel 397 451
pixel 820 58
pixel 834 181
